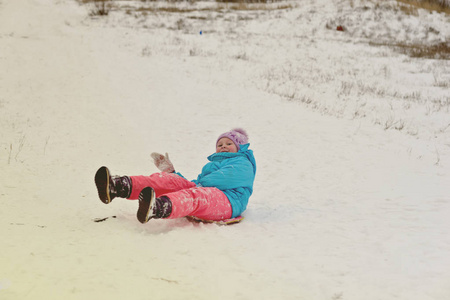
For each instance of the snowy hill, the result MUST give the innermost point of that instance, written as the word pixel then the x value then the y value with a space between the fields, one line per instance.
pixel 352 142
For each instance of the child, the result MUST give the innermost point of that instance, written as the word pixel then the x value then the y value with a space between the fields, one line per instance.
pixel 220 192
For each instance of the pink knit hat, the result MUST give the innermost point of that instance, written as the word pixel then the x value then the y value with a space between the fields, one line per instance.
pixel 238 135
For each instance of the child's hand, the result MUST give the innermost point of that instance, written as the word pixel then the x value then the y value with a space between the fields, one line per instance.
pixel 162 162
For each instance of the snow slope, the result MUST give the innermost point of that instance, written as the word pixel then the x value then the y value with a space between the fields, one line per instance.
pixel 352 143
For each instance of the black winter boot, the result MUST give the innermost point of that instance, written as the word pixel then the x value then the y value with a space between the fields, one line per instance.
pixel 151 207
pixel 110 187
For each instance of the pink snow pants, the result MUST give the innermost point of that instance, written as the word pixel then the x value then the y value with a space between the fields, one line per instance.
pixel 187 199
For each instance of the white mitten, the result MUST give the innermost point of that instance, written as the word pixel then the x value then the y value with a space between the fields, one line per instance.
pixel 162 162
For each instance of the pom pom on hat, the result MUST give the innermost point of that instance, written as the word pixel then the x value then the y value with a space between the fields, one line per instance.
pixel 238 135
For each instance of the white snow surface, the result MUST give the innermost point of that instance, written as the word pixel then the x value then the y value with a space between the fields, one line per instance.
pixel 352 142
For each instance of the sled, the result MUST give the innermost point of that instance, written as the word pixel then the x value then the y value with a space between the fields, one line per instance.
pixel 221 222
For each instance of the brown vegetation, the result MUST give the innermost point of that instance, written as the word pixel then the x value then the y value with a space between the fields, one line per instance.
pixel 431 5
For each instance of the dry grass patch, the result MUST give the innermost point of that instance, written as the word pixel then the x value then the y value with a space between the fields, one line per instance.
pixel 437 51
pixel 246 6
pixel 167 9
pixel 99 7
pixel 430 5
pixel 252 5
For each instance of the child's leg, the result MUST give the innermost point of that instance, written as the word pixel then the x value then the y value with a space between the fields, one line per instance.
pixel 207 203
pixel 162 183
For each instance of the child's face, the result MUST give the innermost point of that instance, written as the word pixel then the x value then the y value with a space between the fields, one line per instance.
pixel 225 145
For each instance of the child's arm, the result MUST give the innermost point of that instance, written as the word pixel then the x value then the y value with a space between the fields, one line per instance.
pixel 229 177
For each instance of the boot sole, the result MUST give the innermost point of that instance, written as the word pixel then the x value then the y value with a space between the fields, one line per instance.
pixel 146 203
pixel 102 183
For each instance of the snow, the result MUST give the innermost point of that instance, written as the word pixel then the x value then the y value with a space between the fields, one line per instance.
pixel 351 199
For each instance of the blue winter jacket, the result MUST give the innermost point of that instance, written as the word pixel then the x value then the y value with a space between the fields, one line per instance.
pixel 233 174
